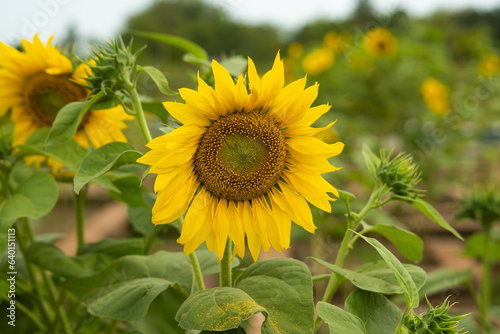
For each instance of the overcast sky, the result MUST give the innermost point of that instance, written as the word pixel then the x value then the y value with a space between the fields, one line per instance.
pixel 100 19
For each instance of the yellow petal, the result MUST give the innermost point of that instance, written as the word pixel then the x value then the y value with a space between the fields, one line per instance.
pixel 253 239
pixel 293 203
pixel 186 114
pixel 220 224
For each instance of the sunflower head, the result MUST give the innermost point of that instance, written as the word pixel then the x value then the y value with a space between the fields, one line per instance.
pixel 244 163
pixel 318 60
pixel 482 204
pixel 380 42
pixel 489 65
pixel 41 81
pixel 400 174
pixel 436 96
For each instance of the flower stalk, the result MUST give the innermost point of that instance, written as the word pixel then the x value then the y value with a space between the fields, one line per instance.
pixel 225 266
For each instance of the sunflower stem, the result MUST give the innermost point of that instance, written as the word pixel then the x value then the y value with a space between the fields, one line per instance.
pixel 225 266
pixel 485 298
pixel 194 262
pixel 353 220
pixel 80 200
pixel 139 112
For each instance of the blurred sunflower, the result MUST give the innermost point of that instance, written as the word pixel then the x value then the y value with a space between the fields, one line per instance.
pixel 242 163
pixel 489 65
pixel 318 61
pixel 436 96
pixel 37 83
pixel 336 42
pixel 380 42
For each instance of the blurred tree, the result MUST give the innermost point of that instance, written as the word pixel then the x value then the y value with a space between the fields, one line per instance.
pixel 207 26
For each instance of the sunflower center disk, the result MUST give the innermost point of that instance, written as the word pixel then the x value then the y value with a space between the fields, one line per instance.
pixel 241 156
pixel 46 94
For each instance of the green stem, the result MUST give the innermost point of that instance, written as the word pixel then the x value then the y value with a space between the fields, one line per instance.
pixel 353 221
pixel 194 263
pixel 53 295
pixel 139 112
pixel 26 311
pixel 22 240
pixel 148 243
pixel 80 200
pixel 485 300
pixel 110 329
pixel 401 322
pixel 225 266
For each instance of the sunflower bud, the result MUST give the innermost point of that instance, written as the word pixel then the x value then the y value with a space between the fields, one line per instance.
pixel 482 205
pixel 435 320
pixel 399 174
pixel 111 66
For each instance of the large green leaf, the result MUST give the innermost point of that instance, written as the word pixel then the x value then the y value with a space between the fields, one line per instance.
pixel 129 285
pixel 376 276
pixel 102 160
pixel 407 243
pixel 160 318
pixel 378 314
pixel 340 321
pixel 50 257
pixel 433 215
pixel 217 309
pixel 130 191
pixel 283 287
pixel 33 198
pixel 68 119
pixel 404 278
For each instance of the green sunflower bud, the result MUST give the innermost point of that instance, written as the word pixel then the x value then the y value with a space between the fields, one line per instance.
pixel 482 204
pixel 434 321
pixel 111 65
pixel 400 174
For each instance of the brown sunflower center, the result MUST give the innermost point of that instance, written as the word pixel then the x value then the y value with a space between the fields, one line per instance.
pixel 241 156
pixel 46 94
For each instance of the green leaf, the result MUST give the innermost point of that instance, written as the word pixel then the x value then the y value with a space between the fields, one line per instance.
pixel 160 318
pixel 33 198
pixel 371 160
pixel 376 276
pixel 340 321
pixel 102 160
pixel 155 108
pixel 378 314
pixel 345 195
pixel 408 243
pixel 114 247
pixel 283 286
pixel 41 190
pixel 442 280
pixel 433 215
pixel 50 257
pixel 128 301
pixel 68 119
pixel 158 78
pixel 141 217
pixel 130 191
pixel 15 207
pixel 179 42
pixel 474 246
pixel 217 309
pixel 403 277
pixel 128 286
pixel 235 65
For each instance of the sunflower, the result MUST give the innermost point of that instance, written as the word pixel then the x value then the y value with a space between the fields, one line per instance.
pixel 489 65
pixel 37 83
pixel 242 163
pixel 436 96
pixel 318 60
pixel 379 42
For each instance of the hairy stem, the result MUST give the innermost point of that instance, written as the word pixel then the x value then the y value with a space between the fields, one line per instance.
pixel 225 266
pixel 80 200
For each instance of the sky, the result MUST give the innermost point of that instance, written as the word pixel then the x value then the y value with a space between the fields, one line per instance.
pixel 100 19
